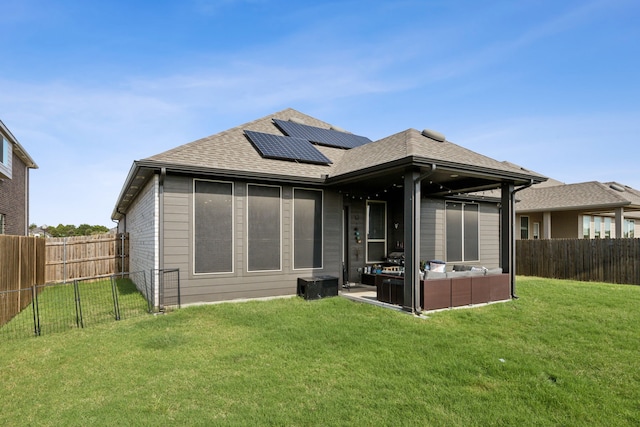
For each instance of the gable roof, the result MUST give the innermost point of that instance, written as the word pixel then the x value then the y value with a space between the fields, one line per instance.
pixel 17 148
pixel 584 195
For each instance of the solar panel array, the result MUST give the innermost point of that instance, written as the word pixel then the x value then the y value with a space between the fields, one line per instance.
pixel 286 148
pixel 328 137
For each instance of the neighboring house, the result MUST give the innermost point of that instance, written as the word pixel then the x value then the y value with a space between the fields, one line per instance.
pixel 246 212
pixel 15 163
pixel 39 232
pixel 587 210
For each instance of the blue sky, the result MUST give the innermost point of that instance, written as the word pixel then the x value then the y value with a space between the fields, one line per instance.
pixel 89 87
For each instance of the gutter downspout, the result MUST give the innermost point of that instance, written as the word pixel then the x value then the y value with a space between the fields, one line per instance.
pixel 26 200
pixel 512 267
pixel 414 262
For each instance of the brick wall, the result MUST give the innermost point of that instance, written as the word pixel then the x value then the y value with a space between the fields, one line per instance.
pixel 12 199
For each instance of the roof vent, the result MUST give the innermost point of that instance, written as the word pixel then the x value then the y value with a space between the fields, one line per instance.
pixel 338 129
pixel 437 136
pixel 296 120
pixel 616 187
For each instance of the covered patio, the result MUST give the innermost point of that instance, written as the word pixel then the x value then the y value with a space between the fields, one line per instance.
pixel 424 183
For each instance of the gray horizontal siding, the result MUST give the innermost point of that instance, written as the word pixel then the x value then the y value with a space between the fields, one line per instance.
pixel 178 247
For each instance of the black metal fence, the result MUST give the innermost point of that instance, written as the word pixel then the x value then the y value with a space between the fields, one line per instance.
pixel 87 302
pixel 167 283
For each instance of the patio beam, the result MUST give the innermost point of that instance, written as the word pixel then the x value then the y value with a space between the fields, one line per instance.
pixel 411 240
pixel 507 232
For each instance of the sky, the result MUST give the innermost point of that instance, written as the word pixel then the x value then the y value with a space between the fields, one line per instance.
pixel 89 87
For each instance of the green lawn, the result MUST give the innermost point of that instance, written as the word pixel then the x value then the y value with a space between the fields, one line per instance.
pixel 565 353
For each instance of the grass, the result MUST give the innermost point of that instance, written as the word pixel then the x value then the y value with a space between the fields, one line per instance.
pixel 565 353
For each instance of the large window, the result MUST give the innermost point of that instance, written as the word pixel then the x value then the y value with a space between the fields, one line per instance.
pixel 263 228
pixel 463 242
pixel 213 226
pixel 607 227
pixel 376 231
pixel 307 228
pixel 2 220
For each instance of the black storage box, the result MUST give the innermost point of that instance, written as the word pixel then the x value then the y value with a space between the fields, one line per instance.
pixel 317 287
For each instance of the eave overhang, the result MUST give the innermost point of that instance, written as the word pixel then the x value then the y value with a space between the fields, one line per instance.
pixel 143 170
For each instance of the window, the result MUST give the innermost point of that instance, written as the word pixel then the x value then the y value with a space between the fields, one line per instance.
pixel 607 228
pixel 213 226
pixel 307 228
pixel 2 221
pixel 524 227
pixel 597 223
pixel 462 232
pixel 586 227
pixel 376 231
pixel 536 230
pixel 4 150
pixel 629 228
pixel 263 228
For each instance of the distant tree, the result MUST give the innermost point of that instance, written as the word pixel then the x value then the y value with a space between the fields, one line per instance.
pixel 71 230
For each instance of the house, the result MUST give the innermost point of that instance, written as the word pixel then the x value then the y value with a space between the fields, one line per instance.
pixel 586 210
pixel 15 163
pixel 246 212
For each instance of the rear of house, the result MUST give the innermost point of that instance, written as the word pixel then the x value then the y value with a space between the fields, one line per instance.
pixel 247 212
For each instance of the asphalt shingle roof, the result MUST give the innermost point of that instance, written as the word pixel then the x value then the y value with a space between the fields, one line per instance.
pixel 231 151
pixel 591 195
pixel 412 142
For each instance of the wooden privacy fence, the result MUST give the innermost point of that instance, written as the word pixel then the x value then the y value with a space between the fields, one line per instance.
pixel 82 257
pixel 21 267
pixel 593 260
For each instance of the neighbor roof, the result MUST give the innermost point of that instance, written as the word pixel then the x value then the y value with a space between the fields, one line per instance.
pixel 584 195
pixel 17 148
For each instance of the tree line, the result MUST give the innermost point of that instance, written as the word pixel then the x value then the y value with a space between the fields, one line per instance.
pixel 70 230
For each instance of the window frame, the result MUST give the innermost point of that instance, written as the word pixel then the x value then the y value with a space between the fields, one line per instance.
pixel 4 151
pixel 375 240
pixel 597 227
pixel 194 230
pixel 629 228
pixel 248 227
pixel 586 227
pixel 607 227
pixel 462 229
pixel 524 228
pixel 293 228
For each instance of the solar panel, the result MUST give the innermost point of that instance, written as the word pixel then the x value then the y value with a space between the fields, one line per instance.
pixel 329 137
pixel 286 148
